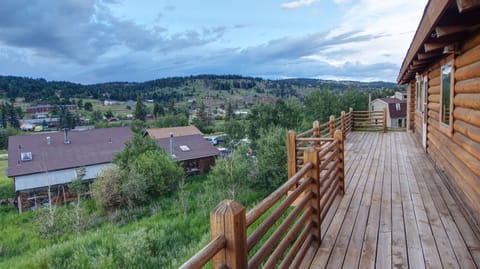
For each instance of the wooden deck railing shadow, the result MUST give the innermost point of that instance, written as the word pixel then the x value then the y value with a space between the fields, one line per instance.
pixel 279 230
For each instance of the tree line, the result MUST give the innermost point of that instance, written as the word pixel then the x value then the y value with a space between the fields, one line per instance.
pixel 166 89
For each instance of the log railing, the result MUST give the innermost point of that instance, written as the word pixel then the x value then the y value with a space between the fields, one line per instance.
pixel 284 225
pixel 296 144
pixel 344 123
pixel 369 120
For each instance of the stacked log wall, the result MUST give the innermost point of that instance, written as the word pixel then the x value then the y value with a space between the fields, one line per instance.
pixel 458 152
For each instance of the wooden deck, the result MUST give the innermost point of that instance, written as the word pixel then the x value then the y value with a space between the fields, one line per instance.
pixel 396 212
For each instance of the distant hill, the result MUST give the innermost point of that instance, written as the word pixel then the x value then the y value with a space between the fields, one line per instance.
pixel 178 89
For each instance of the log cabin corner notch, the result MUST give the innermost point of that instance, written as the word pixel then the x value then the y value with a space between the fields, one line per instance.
pixel 442 71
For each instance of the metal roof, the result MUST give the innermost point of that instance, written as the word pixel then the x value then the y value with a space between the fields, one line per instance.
pixel 158 133
pixel 198 147
pixel 86 148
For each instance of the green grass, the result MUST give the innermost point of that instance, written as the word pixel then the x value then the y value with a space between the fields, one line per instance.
pixel 6 184
pixel 161 235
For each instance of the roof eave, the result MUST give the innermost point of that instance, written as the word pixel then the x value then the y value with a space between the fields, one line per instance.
pixel 431 15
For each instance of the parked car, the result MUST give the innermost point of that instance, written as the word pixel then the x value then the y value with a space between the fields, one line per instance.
pixel 212 140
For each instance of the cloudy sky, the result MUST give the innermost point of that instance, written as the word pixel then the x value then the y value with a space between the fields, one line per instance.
pixel 90 41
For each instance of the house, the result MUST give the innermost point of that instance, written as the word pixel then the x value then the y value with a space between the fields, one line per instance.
pixel 42 164
pixel 130 103
pixel 442 73
pixel 26 126
pixel 186 145
pixel 110 102
pixel 396 111
pixel 47 108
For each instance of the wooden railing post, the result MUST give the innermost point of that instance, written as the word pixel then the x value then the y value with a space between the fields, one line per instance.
pixel 344 124
pixel 311 155
pixel 341 165
pixel 228 219
pixel 332 125
pixel 316 129
pixel 384 119
pixel 291 153
pixel 351 119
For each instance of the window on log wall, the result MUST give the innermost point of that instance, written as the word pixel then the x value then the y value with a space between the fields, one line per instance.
pixel 446 93
pixel 419 94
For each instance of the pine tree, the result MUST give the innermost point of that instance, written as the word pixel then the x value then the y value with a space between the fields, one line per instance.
pixel 158 110
pixel 229 112
pixel 140 112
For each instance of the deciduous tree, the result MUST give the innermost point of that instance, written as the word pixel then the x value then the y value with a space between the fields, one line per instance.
pixel 272 157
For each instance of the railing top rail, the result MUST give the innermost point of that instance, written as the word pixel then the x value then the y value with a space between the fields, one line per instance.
pixel 315 139
pixel 306 133
pixel 324 125
pixel 205 254
pixel 267 203
pixel 366 111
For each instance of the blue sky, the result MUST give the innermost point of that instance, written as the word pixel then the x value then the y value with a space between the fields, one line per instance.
pixel 90 41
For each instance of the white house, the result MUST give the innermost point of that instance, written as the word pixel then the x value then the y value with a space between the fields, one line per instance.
pixel 396 109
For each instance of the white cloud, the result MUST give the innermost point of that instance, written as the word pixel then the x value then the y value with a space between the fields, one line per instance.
pixel 387 21
pixel 297 4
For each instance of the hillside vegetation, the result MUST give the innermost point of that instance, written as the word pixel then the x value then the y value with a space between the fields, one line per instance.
pixel 178 89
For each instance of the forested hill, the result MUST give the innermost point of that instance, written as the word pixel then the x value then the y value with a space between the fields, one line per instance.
pixel 177 88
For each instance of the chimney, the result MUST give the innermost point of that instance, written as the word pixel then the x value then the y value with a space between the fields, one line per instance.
pixel 49 140
pixel 171 146
pixel 66 140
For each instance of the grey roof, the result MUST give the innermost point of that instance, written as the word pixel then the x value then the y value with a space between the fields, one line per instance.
pixel 158 133
pixel 197 145
pixel 86 148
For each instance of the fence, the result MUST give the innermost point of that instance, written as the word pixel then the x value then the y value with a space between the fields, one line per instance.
pixel 291 215
pixel 283 226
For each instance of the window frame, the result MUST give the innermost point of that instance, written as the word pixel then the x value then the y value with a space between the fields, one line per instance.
pixel 447 128
pixel 419 98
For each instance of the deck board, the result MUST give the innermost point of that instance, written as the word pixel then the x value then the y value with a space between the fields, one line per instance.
pixel 397 211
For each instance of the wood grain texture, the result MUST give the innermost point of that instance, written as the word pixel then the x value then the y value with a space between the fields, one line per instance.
pixel 468 86
pixel 468 57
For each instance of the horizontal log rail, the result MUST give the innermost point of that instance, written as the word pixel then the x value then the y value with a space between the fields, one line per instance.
pixel 298 143
pixel 206 254
pixel 282 227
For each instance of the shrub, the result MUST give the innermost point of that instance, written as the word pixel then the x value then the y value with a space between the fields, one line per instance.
pixel 158 170
pixel 106 189
pixel 133 189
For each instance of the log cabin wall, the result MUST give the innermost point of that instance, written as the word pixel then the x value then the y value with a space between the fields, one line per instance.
pixel 457 151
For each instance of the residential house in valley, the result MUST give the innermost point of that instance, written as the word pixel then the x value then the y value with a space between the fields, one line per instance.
pixel 186 145
pixel 43 164
pixel 396 107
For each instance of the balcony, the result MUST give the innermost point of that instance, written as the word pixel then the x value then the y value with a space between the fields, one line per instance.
pixel 353 200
